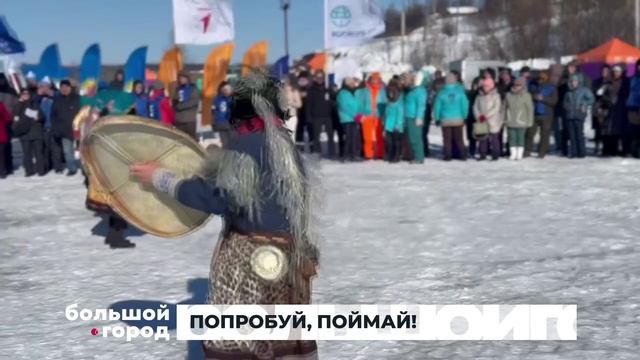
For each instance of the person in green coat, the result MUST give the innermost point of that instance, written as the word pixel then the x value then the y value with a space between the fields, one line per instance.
pixel 518 117
pixel 393 122
pixel 450 110
pixel 415 107
pixel 348 109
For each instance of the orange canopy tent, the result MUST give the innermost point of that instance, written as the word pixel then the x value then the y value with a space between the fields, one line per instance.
pixel 612 52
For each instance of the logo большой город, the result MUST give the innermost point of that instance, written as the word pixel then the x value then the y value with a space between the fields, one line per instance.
pixel 341 16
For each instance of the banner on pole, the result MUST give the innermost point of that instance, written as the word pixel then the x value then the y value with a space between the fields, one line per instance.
pixel 215 72
pixel 9 43
pixel 50 65
pixel 351 22
pixel 90 70
pixel 202 22
pixel 280 68
pixel 255 57
pixel 170 65
pixel 135 67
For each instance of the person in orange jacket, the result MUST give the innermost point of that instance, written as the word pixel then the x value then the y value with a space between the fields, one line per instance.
pixel 372 100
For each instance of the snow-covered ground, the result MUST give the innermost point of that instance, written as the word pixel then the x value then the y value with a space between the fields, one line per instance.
pixel 534 232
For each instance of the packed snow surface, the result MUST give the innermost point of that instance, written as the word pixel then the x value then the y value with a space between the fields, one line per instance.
pixel 554 231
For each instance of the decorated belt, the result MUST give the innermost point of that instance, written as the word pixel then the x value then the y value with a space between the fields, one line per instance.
pixel 268 260
pixel 278 239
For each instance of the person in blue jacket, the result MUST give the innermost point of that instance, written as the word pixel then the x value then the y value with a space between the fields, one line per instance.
pixel 394 122
pixel 415 107
pixel 577 103
pixel 450 110
pixel 46 93
pixel 633 105
pixel 348 109
pixel 221 110
pixel 142 100
pixel 260 187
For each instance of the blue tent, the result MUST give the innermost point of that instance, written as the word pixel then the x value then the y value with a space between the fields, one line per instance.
pixel 9 43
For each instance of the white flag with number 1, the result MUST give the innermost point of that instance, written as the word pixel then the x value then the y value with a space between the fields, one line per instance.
pixel 202 22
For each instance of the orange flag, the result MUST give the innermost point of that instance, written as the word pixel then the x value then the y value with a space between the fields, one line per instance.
pixel 318 62
pixel 255 57
pixel 215 72
pixel 170 66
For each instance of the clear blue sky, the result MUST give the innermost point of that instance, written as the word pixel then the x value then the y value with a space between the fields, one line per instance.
pixel 120 26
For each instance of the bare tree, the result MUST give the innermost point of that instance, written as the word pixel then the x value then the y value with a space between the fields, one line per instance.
pixel 530 21
pixel 585 24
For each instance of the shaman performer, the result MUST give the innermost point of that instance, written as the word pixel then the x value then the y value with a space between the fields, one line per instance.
pixel 98 198
pixel 260 186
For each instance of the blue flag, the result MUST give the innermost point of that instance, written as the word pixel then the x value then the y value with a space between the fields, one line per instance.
pixel 50 65
pixel 90 69
pixel 134 68
pixel 281 67
pixel 9 43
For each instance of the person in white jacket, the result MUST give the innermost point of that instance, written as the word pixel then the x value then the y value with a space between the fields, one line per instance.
pixel 487 108
pixel 294 101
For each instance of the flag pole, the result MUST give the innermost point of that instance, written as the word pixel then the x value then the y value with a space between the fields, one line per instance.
pixel 285 5
pixel 403 28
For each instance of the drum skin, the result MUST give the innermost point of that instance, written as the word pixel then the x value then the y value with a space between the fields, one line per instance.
pixel 117 142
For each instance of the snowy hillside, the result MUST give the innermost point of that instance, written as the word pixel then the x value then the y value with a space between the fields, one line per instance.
pixel 447 39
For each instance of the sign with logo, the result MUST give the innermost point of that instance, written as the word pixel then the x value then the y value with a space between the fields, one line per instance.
pixel 351 22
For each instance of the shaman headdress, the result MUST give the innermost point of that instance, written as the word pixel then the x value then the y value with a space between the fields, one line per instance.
pixel 259 95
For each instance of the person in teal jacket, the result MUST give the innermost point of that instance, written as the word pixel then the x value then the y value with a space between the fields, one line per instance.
pixel 450 110
pixel 393 121
pixel 348 109
pixel 415 107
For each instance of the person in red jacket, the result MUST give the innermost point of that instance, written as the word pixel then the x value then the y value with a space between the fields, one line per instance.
pixel 160 106
pixel 5 122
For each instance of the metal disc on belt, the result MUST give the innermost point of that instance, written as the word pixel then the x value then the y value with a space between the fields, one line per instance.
pixel 115 143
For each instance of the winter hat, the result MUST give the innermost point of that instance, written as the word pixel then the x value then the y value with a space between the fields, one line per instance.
pixel 31 75
pixel 258 95
pixel 618 68
pixel 575 77
pixel 519 84
pixel 45 81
